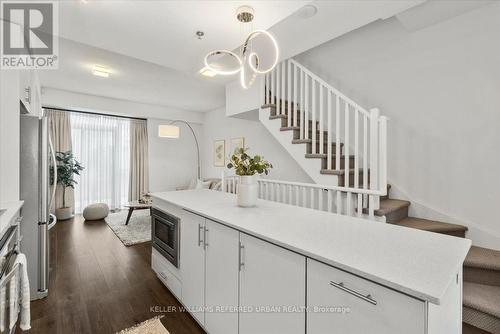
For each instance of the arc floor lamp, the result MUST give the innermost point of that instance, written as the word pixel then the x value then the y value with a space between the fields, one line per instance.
pixel 172 131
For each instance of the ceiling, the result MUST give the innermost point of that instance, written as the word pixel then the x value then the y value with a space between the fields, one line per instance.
pixel 130 79
pixel 154 55
pixel 163 32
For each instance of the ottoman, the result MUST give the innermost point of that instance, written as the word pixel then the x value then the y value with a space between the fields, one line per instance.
pixel 96 211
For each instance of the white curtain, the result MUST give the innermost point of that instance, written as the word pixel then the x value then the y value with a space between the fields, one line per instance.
pixel 139 169
pixel 102 145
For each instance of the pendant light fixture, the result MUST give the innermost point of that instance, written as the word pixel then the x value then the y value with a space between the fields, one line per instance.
pixel 246 61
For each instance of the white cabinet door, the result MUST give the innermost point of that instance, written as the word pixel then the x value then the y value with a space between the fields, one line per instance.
pixel 339 302
pixel 192 264
pixel 221 279
pixel 271 279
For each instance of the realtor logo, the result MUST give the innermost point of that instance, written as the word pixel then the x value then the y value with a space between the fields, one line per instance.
pixel 29 34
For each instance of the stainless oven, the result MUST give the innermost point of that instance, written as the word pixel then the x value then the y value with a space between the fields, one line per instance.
pixel 165 233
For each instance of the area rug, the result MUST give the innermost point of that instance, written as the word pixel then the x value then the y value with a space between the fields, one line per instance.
pixel 138 229
pixel 151 326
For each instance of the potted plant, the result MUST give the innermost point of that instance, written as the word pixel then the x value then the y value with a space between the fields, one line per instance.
pixel 67 167
pixel 246 167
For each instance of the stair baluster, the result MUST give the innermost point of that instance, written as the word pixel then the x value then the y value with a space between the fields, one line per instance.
pixel 307 107
pixel 337 132
pixel 329 141
pixel 321 112
pixel 295 97
pixel 313 116
pixel 289 87
pixel 283 91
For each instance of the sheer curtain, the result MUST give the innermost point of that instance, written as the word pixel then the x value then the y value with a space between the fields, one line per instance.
pixel 102 145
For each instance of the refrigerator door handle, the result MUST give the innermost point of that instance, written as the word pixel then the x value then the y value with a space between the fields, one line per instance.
pixel 44 171
pixel 43 241
pixel 54 188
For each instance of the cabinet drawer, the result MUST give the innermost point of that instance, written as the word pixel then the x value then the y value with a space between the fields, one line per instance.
pixel 160 267
pixel 339 302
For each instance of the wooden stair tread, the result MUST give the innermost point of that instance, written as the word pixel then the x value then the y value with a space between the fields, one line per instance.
pixel 288 128
pixel 483 298
pixel 284 116
pixel 339 172
pixel 324 156
pixel 390 205
pixel 296 128
pixel 309 141
pixel 316 155
pixel 429 225
pixel 483 258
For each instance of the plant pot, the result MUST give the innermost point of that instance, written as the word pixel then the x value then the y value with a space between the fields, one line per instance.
pixel 64 213
pixel 248 190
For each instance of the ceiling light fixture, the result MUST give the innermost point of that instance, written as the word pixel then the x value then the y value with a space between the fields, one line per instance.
pixel 247 57
pixel 307 11
pixel 100 71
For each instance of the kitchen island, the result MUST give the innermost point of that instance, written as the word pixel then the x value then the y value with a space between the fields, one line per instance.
pixel 278 268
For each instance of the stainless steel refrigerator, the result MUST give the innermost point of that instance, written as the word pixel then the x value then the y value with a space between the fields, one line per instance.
pixel 37 157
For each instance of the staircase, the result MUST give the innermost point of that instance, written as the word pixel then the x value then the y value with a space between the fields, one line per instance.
pixel 342 146
pixel 481 296
pixel 335 140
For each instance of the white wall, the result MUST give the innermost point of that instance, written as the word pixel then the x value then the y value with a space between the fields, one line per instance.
pixel 9 135
pixel 217 126
pixel 78 101
pixel 172 162
pixel 240 100
pixel 440 88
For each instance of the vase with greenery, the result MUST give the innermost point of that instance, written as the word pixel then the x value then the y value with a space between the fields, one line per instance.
pixel 67 168
pixel 246 167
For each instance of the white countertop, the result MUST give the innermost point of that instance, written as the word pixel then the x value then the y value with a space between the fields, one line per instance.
pixel 11 209
pixel 419 263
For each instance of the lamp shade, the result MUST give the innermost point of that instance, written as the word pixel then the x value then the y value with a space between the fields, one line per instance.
pixel 168 131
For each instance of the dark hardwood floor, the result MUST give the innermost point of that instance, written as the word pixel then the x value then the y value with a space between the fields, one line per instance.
pixel 97 285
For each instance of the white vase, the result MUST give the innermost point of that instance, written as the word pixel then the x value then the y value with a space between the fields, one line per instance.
pixel 247 191
pixel 64 213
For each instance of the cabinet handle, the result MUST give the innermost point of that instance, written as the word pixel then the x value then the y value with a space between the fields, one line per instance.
pixel 205 243
pixel 367 298
pixel 240 256
pixel 162 274
pixel 199 234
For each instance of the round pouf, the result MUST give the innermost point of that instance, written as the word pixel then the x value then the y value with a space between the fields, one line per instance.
pixel 96 211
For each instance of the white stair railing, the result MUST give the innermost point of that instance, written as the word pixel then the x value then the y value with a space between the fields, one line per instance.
pixel 229 183
pixel 328 120
pixel 334 199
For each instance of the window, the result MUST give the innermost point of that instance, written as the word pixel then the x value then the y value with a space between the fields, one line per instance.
pixel 102 145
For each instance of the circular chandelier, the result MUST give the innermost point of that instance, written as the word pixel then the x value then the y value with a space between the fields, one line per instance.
pixel 247 62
